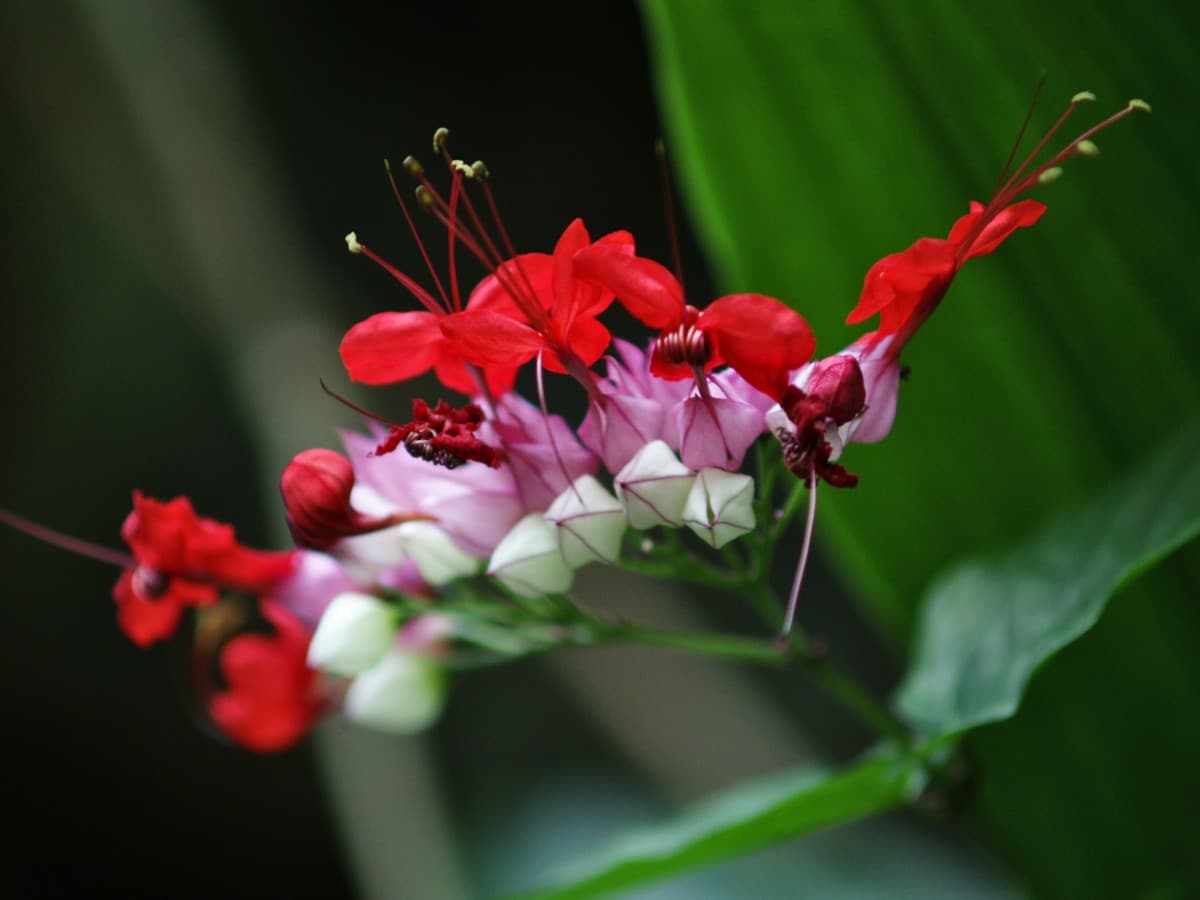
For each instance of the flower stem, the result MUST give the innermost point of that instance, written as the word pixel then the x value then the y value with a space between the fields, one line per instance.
pixel 836 683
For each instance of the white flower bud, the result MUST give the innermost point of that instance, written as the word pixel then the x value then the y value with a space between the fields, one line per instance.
pixel 720 506
pixel 590 523
pixel 653 486
pixel 437 557
pixel 528 562
pixel 353 635
pixel 403 694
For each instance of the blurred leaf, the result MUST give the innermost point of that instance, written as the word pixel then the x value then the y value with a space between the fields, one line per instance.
pixel 747 818
pixel 987 626
pixel 812 139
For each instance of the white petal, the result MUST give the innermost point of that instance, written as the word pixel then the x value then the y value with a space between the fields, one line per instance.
pixel 590 523
pixel 653 486
pixel 353 635
pixel 720 506
pixel 438 558
pixel 403 694
pixel 528 560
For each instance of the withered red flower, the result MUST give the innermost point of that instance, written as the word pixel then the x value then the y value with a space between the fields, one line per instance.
pixel 271 697
pixel 443 435
pixel 184 560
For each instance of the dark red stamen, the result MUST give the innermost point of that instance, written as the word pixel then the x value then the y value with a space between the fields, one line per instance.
pixel 443 435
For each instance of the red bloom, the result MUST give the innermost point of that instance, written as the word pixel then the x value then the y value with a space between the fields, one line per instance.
pixel 535 303
pixel 271 697
pixel 183 560
pixel 443 435
pixel 757 336
pixel 904 288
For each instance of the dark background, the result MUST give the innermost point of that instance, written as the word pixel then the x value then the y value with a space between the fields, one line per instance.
pixel 117 376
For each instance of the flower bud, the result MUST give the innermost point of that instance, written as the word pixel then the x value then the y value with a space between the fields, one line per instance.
pixel 316 489
pixel 402 695
pixel 438 558
pixel 837 381
pixel 353 635
pixel 720 506
pixel 590 523
pixel 653 486
pixel 528 562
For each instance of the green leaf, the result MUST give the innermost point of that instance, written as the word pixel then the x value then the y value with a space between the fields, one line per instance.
pixel 988 625
pixel 749 817
pixel 811 139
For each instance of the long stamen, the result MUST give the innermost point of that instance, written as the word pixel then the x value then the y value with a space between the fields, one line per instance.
pixel 66 542
pixel 455 192
pixel 412 227
pixel 664 175
pixel 354 245
pixel 1012 154
pixel 798 580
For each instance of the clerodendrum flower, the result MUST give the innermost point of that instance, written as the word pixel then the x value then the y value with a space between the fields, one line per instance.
pixel 394 546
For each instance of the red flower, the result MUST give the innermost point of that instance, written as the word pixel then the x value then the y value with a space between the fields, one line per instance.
pixel 535 303
pixel 904 288
pixel 183 560
pixel 271 697
pixel 757 336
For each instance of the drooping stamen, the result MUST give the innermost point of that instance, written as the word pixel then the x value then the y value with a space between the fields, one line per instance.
pixel 798 580
pixel 354 406
pixel 66 542
pixel 664 177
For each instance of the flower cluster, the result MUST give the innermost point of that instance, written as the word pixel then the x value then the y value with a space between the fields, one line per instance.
pixel 456 536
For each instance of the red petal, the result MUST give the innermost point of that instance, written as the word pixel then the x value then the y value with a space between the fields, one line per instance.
pixel 588 340
pixel 453 373
pixel 904 277
pixel 530 274
pixel 489 338
pixel 1019 215
pixel 649 291
pixel 146 621
pixel 391 346
pixel 271 699
pixel 759 337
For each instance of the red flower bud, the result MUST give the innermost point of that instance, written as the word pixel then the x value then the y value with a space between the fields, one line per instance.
pixel 316 489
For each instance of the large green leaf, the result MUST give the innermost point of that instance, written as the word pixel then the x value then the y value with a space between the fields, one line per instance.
pixel 749 817
pixel 813 138
pixel 988 625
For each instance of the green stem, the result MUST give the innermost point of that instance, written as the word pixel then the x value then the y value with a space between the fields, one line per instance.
pixel 836 683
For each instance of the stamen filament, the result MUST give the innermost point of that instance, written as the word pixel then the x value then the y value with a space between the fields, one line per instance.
pixel 798 580
pixel 66 542
pixel 412 228
pixel 423 296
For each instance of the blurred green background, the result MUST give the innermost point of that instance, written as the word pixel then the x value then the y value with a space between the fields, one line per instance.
pixel 178 180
